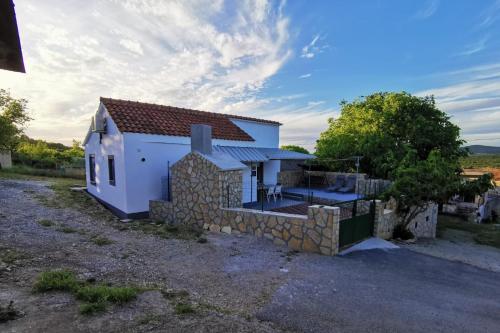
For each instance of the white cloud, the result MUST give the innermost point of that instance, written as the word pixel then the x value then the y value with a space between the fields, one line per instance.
pixel 473 102
pixel 429 9
pixel 189 54
pixel 311 50
pixel 490 15
pixel 305 76
pixel 475 47
pixel 132 46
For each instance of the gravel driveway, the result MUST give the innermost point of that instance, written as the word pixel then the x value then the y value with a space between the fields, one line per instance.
pixel 236 283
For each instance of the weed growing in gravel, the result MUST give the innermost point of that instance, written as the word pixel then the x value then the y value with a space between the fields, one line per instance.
pixel 184 308
pixel 9 312
pixel 95 297
pixel 172 294
pixel 101 240
pixel 46 223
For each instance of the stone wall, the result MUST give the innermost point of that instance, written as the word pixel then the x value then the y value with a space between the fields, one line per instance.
pixel 160 210
pixel 199 191
pixel 291 178
pixel 316 232
pixel 424 224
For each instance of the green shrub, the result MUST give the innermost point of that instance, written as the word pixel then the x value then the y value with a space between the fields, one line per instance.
pixel 62 280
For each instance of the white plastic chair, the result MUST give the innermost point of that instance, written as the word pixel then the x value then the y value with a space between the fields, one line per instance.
pixel 270 192
pixel 277 192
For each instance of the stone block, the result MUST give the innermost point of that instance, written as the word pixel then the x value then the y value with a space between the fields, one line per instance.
pixel 214 228
pixel 226 230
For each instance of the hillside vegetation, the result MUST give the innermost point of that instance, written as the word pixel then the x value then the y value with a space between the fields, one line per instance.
pixel 481 161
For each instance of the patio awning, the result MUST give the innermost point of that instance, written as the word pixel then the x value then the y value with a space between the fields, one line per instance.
pixel 282 154
pixel 243 154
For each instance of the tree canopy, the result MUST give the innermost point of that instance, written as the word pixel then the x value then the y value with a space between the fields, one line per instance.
pixel 13 117
pixel 384 127
pixel 295 148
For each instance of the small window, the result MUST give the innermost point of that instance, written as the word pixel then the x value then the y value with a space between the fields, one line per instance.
pixel 92 169
pixel 111 169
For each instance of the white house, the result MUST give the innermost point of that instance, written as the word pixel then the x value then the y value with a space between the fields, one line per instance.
pixel 130 146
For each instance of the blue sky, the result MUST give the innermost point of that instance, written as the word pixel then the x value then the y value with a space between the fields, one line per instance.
pixel 288 61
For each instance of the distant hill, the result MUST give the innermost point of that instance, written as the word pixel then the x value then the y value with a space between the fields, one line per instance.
pixel 480 149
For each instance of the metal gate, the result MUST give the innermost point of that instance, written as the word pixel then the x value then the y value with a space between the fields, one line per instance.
pixel 356 221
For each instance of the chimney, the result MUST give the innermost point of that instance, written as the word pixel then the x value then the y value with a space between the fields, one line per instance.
pixel 201 138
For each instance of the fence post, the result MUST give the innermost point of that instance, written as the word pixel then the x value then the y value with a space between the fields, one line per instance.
pixel 354 208
pixel 227 196
pixel 261 197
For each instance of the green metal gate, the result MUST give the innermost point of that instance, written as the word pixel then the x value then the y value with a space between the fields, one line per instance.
pixel 356 221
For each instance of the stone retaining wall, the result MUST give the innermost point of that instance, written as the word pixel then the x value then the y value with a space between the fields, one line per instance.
pixel 160 210
pixel 424 225
pixel 316 232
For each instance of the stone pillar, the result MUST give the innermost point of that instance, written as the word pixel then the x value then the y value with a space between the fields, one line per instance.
pixel 321 232
pixel 378 223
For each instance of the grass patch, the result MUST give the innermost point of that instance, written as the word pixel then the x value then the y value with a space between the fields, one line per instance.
pixel 25 171
pixel 174 294
pixel 10 257
pixel 46 223
pixel 66 229
pixel 486 234
pixel 184 308
pixel 62 280
pixel 95 298
pixel 101 240
pixel 9 313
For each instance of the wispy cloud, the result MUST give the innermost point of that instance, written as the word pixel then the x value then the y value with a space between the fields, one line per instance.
pixel 476 47
pixel 313 48
pixel 473 102
pixel 490 15
pixel 305 76
pixel 183 53
pixel 430 7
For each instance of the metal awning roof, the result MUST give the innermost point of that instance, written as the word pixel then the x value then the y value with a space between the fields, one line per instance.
pixel 252 154
pixel 243 154
pixel 282 154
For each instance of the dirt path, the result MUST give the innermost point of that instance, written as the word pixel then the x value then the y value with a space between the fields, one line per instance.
pixel 228 278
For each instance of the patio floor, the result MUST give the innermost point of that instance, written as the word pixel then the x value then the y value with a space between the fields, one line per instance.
pixel 321 193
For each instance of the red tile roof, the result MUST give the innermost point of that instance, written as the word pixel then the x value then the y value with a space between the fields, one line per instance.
pixel 136 117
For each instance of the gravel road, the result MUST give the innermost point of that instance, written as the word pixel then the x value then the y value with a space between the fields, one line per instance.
pixel 237 283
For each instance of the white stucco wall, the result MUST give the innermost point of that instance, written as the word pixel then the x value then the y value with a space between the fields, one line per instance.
pixel 271 169
pixel 265 135
pixel 249 185
pixel 111 144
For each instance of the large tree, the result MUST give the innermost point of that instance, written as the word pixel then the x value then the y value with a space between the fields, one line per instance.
pixel 384 127
pixel 13 117
pixel 297 149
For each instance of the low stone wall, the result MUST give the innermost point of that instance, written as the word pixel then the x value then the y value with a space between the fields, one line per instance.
pixel 316 232
pixel 5 159
pixel 160 210
pixel 424 224
pixel 291 178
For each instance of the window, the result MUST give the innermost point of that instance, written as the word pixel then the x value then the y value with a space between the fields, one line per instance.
pixel 92 169
pixel 111 169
